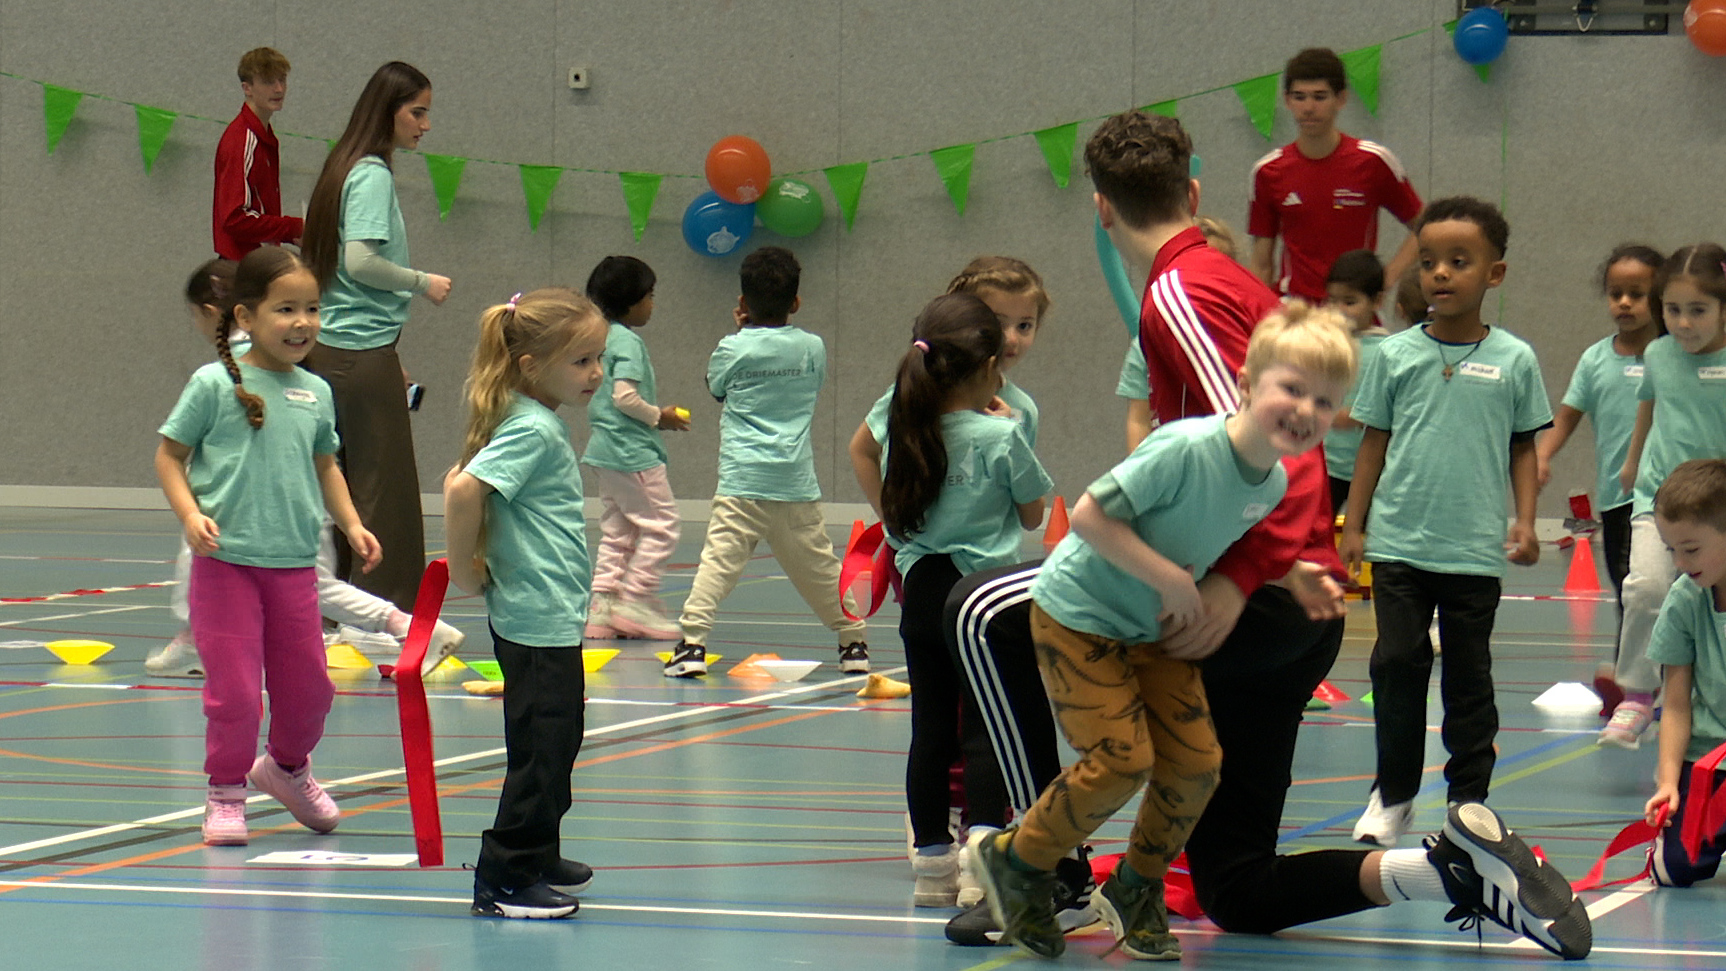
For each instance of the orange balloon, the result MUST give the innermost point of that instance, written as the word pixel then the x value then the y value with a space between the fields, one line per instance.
pixel 1705 25
pixel 737 169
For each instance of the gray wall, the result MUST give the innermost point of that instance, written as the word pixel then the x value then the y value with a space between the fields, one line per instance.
pixel 1587 141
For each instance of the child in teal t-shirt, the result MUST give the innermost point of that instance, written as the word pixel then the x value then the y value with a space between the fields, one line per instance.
pixel 766 376
pixel 959 488
pixel 1353 288
pixel 625 456
pixel 513 521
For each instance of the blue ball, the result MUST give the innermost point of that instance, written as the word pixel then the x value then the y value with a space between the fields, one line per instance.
pixel 1481 35
pixel 714 227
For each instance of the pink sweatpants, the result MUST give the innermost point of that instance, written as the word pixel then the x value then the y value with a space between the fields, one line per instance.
pixel 258 628
pixel 639 527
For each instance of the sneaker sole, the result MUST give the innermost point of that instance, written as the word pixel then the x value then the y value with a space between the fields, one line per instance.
pixel 854 667
pixel 691 669
pixel 521 913
pixel 193 673
pixel 1106 912
pixel 1628 744
pixel 1535 889
pixel 629 631
pixel 571 888
pixel 226 840
pixel 594 632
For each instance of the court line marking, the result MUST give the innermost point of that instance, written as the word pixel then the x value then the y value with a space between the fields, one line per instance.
pixel 85 613
pixel 101 831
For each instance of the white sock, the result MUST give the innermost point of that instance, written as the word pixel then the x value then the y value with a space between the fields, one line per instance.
pixel 1409 875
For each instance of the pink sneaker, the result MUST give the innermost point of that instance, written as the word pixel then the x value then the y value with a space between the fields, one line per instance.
pixel 599 627
pixel 1629 720
pixel 298 791
pixel 225 816
pixel 644 619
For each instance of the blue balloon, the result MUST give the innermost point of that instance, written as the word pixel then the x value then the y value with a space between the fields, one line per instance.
pixel 1481 35
pixel 714 227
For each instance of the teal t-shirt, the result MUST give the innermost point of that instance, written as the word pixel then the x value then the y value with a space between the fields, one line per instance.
pixel 1020 408
pixel 1689 395
pixel 1185 494
pixel 1689 631
pixel 259 485
pixel 1135 381
pixel 536 540
pixel 619 442
pixel 1604 387
pixel 767 379
pixel 1440 502
pixel 357 317
pixel 1342 444
pixel 975 520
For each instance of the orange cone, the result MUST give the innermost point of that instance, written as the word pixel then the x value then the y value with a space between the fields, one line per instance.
pixel 1582 578
pixel 1057 527
pixel 747 668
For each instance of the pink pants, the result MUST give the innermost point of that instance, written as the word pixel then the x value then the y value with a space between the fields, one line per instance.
pixel 638 525
pixel 258 628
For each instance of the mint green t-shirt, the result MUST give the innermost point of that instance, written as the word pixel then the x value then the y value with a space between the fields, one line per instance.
pixel 619 442
pixel 1021 409
pixel 1689 395
pixel 767 380
pixel 1440 504
pixel 536 540
pixel 991 470
pixel 357 317
pixel 259 485
pixel 1604 387
pixel 1186 496
pixel 1342 444
pixel 1689 631
pixel 1135 380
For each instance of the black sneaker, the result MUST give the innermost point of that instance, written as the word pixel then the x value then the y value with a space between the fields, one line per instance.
pixel 536 901
pixel 1022 902
pixel 1489 872
pixel 854 658
pixel 976 927
pixel 687 661
pixel 569 877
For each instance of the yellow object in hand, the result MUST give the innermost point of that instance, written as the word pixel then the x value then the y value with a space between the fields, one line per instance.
pixel 682 413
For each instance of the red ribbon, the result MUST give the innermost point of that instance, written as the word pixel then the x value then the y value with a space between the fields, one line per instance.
pixel 416 716
pixel 869 553
pixel 1705 812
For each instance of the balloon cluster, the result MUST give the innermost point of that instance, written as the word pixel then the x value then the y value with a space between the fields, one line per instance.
pixel 742 190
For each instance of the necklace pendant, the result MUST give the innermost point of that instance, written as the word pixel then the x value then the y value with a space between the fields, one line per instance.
pixel 1447 372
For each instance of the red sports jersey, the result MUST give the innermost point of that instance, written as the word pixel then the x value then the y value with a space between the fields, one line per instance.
pixel 1199 311
pixel 247 206
pixel 1324 207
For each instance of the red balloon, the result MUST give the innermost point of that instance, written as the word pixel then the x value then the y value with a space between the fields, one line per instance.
pixel 737 168
pixel 1705 24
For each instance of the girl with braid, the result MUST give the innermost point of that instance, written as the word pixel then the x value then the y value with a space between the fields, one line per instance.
pixel 247 461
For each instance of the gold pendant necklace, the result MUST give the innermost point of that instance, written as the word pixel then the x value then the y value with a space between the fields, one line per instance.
pixel 1451 366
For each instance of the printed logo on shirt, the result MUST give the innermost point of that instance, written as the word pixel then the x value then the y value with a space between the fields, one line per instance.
pixel 1714 373
pixel 1255 511
pixel 1343 198
pixel 1292 199
pixel 1633 370
pixel 300 396
pixel 1475 369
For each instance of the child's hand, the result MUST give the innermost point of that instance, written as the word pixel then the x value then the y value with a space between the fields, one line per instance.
pixel 1542 470
pixel 1666 797
pixel 201 534
pixel 1316 591
pixel 1181 603
pixel 673 419
pixel 1523 548
pixel 1352 548
pixel 1627 478
pixel 437 288
pixel 998 408
pixel 365 546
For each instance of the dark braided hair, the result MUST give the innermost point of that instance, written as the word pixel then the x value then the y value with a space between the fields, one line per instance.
pixel 252 278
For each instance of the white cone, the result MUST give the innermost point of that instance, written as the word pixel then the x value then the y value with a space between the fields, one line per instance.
pixel 1568 696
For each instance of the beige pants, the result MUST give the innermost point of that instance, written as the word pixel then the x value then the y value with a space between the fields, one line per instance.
pixel 798 536
pixel 1135 716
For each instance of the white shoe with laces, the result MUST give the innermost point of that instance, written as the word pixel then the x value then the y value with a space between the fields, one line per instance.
pixel 1383 825
pixel 177 659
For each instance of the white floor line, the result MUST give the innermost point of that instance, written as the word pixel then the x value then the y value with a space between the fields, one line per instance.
pixel 1468 943
pixel 85 613
pixel 101 831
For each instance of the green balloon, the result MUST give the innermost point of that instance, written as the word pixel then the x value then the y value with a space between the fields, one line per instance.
pixel 790 207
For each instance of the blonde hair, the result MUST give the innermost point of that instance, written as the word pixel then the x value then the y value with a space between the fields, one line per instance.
pixel 1315 339
pixel 1219 235
pixel 1005 274
pixel 540 324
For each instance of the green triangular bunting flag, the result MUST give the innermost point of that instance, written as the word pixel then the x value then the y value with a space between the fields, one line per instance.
pixel 1057 145
pixel 58 106
pixel 1483 70
pixel 639 191
pixel 847 184
pixel 953 165
pixel 1362 69
pixel 537 184
pixel 153 127
pixel 1259 97
pixel 445 171
pixel 1164 108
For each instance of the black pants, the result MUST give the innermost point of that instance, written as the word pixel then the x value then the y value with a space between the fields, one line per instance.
pixel 543 724
pixel 1404 598
pixel 987 621
pixel 1339 495
pixel 939 708
pixel 1615 531
pixel 1258 683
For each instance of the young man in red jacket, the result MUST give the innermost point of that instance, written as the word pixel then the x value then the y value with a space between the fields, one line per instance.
pixel 248 199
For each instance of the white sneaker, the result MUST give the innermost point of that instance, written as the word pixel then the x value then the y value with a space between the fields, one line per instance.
pixel 599 618
pixel 643 619
pixel 970 888
pixel 1383 825
pixel 177 659
pixel 445 640
pixel 385 648
pixel 937 878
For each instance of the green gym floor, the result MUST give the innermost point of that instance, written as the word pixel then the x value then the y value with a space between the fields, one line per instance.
pixel 733 823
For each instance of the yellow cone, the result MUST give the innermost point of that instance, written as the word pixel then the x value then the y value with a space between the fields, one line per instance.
pixel 881 686
pixel 78 652
pixel 346 657
pixel 595 658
